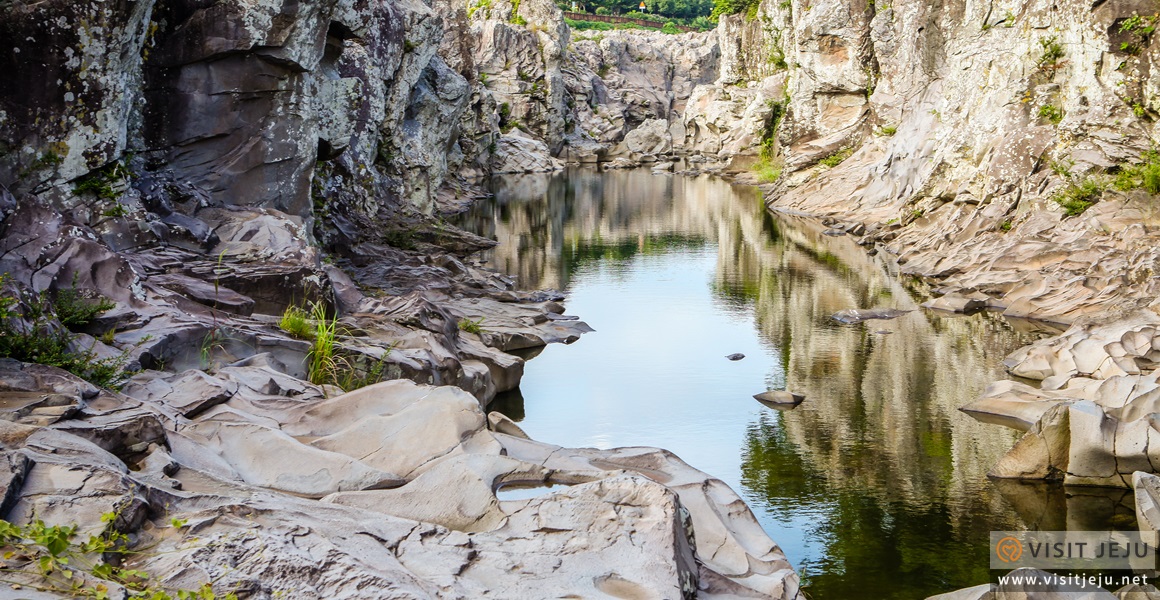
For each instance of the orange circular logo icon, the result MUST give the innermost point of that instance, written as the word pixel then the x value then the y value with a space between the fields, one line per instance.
pixel 1009 549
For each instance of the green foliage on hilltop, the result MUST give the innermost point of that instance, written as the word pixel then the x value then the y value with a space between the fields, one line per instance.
pixel 690 13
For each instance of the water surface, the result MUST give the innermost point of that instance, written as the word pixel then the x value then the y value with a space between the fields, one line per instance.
pixel 875 486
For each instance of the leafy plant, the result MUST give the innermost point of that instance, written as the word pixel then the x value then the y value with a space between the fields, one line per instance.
pixel 101 182
pixel 1051 113
pixel 887 130
pixel 1062 168
pixel 1051 57
pixel 58 561
pixel 35 334
pixel 470 326
pixel 73 310
pixel 1006 225
pixel 1075 198
pixel 1145 175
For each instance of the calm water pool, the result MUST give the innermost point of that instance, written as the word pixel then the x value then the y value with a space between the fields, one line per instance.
pixel 875 487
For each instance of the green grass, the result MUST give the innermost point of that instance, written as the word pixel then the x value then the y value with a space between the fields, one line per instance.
pixel 887 130
pixel 836 158
pixel 470 326
pixel 1076 198
pixel 321 364
pixel 296 322
pixel 1006 225
pixel 767 170
pixel 1051 113
pixel 325 364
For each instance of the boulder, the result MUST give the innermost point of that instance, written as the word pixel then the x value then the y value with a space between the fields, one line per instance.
pixel 519 154
pixel 650 137
pixel 779 399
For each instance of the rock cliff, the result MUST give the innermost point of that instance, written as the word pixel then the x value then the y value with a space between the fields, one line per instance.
pixel 243 194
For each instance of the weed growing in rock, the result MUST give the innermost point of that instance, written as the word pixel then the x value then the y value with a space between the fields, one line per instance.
pixel 1051 57
pixel 1054 114
pixel 1145 176
pixel 887 130
pixel 320 362
pixel 470 326
pixel 296 322
pixel 35 334
pixel 53 559
pixel 102 182
pixel 74 308
pixel 836 158
pixel 1062 168
pixel 1141 29
pixel 325 365
pixel 1075 198
pixel 1006 226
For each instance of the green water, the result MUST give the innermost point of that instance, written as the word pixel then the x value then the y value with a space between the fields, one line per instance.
pixel 875 487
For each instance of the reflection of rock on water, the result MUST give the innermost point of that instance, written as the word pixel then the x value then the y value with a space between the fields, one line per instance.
pixel 1045 506
pixel 884 417
pixel 551 224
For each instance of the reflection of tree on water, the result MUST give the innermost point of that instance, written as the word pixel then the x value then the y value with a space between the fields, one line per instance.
pixel 561 222
pixel 878 465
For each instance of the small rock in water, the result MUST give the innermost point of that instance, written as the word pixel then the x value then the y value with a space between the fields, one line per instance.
pixel 857 315
pixel 779 399
pixel 736 356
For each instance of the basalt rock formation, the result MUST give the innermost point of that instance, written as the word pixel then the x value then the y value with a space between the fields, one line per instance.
pixel 206 166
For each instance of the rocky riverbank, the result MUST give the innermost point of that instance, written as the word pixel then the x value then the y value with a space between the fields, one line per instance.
pixel 224 213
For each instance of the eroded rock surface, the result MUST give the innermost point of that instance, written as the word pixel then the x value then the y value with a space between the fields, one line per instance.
pixel 237 477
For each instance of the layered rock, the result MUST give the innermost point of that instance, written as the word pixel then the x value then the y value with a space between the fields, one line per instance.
pixel 633 520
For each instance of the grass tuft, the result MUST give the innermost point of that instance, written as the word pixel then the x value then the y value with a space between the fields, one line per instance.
pixel 470 326
pixel 296 322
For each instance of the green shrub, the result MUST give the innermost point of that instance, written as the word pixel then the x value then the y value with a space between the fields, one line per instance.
pixel 1145 175
pixel 1051 57
pixel 32 336
pixel 1006 225
pixel 1075 198
pixel 1051 113
pixel 74 311
pixel 887 130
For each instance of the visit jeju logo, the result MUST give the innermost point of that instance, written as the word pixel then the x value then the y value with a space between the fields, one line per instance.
pixel 1009 549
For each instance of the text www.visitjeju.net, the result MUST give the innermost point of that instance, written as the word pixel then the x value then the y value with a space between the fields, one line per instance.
pixel 1072 580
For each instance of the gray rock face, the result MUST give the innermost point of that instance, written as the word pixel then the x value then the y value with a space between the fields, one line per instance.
pixel 622 521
